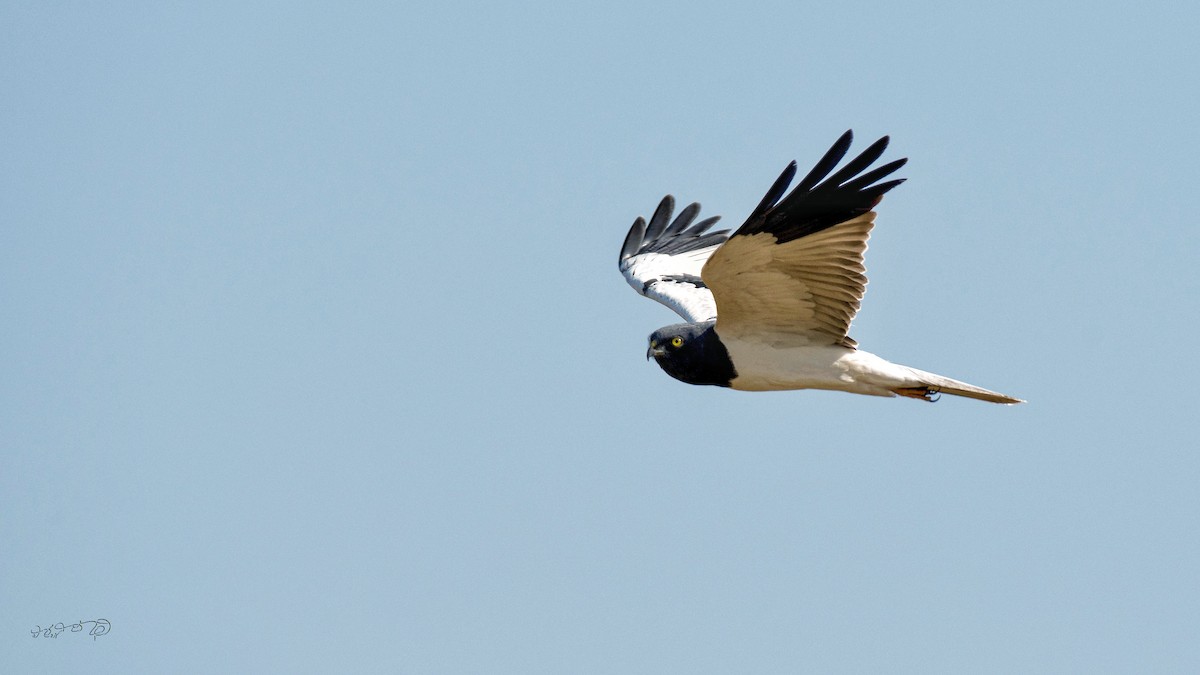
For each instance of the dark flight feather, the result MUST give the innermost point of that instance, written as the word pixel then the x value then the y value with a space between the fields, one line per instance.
pixel 821 200
pixel 679 236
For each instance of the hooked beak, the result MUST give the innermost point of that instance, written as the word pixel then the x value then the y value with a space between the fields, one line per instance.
pixel 655 351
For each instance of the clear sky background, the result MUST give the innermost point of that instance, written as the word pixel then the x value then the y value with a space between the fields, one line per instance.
pixel 316 357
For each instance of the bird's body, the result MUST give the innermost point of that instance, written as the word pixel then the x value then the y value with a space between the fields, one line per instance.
pixel 769 307
pixel 763 366
pixel 781 364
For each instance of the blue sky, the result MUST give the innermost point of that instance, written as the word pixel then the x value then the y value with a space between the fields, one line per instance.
pixel 317 357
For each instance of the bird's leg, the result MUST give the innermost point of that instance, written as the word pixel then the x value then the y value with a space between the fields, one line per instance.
pixel 931 394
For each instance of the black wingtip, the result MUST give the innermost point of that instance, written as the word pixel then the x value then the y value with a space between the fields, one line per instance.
pixel 680 236
pixel 662 215
pixel 825 197
pixel 865 158
pixel 633 240
pixel 699 228
pixel 867 179
pixel 831 158
pixel 778 188
pixel 686 215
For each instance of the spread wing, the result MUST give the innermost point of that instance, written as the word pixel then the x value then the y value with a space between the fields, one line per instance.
pixel 662 261
pixel 795 269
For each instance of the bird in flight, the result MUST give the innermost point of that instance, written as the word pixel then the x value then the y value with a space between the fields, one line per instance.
pixel 769 306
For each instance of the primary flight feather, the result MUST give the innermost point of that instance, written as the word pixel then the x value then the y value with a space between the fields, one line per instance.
pixel 769 306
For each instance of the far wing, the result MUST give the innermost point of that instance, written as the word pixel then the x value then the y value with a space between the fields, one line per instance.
pixel 795 269
pixel 663 261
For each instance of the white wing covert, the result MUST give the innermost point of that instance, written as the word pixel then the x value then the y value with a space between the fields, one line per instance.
pixel 662 259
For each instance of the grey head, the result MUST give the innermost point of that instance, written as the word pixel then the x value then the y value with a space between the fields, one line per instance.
pixel 692 353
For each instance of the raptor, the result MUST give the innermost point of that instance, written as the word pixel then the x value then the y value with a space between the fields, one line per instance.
pixel 769 306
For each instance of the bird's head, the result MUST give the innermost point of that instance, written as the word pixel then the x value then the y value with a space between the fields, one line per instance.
pixel 692 353
pixel 670 341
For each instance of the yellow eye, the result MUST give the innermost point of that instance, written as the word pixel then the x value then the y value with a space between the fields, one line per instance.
pixel 676 341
